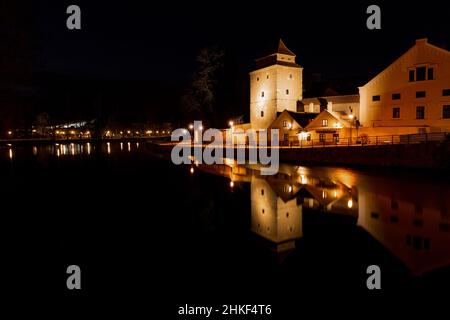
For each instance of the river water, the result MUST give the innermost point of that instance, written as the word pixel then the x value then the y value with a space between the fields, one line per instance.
pixel 134 223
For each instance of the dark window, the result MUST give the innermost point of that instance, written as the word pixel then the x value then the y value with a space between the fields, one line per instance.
pixel 446 92
pixel 267 77
pixel 420 112
pixel 290 76
pixel 286 136
pixel 262 114
pixel 287 91
pixel 421 94
pixel 374 215
pixel 262 94
pixel 396 96
pixel 421 73
pixel 322 137
pixel 411 75
pixel 430 74
pixel 262 192
pixel 394 205
pixel 257 79
pixel 418 223
pixel 446 112
pixel 376 98
pixel 394 219
pixel 396 113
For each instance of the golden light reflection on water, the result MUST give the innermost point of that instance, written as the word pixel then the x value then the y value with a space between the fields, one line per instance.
pixel 413 226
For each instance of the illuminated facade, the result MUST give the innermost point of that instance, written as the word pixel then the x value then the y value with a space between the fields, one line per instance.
pixel 412 95
pixel 275 86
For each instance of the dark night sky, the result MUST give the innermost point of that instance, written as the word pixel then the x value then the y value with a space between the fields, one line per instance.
pixel 139 40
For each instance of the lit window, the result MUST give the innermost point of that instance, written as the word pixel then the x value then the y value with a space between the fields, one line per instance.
pixel 286 136
pixel 324 122
pixel 284 123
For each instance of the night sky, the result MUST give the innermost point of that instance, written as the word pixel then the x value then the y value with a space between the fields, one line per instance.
pixel 139 40
pixel 134 61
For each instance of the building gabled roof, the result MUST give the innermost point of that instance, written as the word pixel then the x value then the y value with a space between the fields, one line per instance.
pixel 353 98
pixel 302 118
pixel 420 43
pixel 337 115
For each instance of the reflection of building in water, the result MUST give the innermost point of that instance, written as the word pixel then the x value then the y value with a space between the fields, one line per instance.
pixel 277 203
pixel 275 213
pixel 419 235
pixel 412 221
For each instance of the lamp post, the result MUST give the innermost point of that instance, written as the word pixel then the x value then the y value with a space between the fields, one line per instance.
pixel 351 125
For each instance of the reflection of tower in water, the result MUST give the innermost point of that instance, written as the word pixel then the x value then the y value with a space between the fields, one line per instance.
pixel 275 213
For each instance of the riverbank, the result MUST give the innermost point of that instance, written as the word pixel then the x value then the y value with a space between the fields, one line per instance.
pixel 426 155
pixel 49 141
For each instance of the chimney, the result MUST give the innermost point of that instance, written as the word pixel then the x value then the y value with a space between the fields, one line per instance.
pixel 421 41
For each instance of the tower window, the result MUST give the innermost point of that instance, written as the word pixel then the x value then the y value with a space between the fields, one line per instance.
pixel 262 114
pixel 267 77
pixel 262 94
pixel 287 91
pixel 262 192
pixel 290 76
pixel 257 78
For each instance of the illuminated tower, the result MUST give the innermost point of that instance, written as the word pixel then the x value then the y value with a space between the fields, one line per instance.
pixel 275 86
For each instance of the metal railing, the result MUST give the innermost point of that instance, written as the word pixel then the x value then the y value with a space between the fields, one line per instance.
pixel 367 140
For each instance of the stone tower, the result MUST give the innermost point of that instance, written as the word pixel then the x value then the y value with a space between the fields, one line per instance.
pixel 275 86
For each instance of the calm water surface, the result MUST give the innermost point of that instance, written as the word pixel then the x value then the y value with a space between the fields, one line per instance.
pixel 136 223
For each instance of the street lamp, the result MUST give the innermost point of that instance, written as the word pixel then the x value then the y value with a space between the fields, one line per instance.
pixel 351 116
